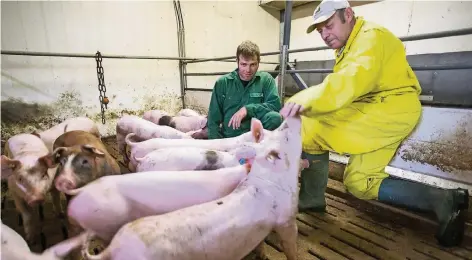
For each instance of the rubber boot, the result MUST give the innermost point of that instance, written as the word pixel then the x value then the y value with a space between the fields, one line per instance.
pixel 313 183
pixel 450 206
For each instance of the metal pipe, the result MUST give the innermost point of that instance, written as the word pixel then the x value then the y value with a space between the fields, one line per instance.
pixel 441 34
pixel 415 68
pixel 181 48
pixel 83 55
pixel 200 89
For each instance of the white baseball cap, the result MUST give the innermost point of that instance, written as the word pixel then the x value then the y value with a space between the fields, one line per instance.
pixel 325 10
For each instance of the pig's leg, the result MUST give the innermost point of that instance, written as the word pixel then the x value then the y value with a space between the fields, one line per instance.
pixel 260 251
pixel 56 203
pixel 30 224
pixel 287 234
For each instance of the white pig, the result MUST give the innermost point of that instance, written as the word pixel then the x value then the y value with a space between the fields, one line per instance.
pixel 76 123
pixel 140 149
pixel 30 171
pixel 188 112
pixel 231 227
pixel 184 123
pixel 154 115
pixel 190 158
pixel 108 203
pixel 143 130
pixel 14 247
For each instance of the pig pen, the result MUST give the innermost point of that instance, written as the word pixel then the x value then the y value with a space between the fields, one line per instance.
pixel 351 228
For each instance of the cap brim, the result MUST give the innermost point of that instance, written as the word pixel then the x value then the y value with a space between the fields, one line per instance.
pixel 318 20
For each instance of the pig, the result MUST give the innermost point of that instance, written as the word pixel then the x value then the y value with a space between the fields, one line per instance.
pixel 190 158
pixel 188 112
pixel 143 130
pixel 229 227
pixel 140 149
pixel 154 115
pixel 82 158
pixel 29 170
pixel 184 124
pixel 106 204
pixel 76 123
pixel 14 247
pixel 199 134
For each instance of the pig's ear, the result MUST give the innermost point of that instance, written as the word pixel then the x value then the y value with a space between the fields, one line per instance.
pixel 58 153
pixel 91 149
pixel 9 166
pixel 48 160
pixel 35 132
pixel 257 130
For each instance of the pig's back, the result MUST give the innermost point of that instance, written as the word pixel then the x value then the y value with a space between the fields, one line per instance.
pixel 25 144
pixel 78 137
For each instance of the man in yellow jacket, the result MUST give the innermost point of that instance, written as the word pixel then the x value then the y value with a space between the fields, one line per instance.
pixel 366 108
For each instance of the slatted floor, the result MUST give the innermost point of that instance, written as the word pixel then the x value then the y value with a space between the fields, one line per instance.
pixel 351 229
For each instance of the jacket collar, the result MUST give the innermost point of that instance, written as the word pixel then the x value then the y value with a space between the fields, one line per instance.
pixel 234 74
pixel 357 27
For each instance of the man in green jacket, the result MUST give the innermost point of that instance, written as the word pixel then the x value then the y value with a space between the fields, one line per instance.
pixel 243 94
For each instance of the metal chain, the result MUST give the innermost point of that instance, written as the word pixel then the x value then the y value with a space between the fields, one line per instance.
pixel 101 85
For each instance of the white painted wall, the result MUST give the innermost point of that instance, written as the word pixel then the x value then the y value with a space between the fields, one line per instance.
pixel 403 18
pixel 116 27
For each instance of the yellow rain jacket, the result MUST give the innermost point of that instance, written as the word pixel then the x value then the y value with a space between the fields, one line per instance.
pixel 365 108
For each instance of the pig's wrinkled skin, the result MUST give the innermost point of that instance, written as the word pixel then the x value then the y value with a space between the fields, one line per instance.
pixel 14 247
pixel 76 123
pixel 140 149
pixel 230 227
pixel 184 124
pixel 143 130
pixel 187 112
pixel 190 158
pixel 105 205
pixel 154 115
pixel 30 171
pixel 82 158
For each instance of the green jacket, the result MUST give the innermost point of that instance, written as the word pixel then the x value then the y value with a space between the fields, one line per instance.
pixel 260 96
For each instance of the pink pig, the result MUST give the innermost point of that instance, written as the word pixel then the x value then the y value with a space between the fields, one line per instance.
pixel 108 203
pixel 184 123
pixel 143 130
pixel 30 171
pixel 191 158
pixel 140 149
pixel 14 247
pixel 154 115
pixel 229 227
pixel 76 123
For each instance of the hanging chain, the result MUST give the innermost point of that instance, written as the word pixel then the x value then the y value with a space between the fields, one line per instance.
pixel 101 85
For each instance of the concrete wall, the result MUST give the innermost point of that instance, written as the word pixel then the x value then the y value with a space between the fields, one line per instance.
pixel 38 92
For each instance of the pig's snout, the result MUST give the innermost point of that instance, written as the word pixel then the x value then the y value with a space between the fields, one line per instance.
pixel 64 184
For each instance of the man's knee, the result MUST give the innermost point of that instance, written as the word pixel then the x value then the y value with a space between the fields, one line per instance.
pixel 365 188
pixel 271 120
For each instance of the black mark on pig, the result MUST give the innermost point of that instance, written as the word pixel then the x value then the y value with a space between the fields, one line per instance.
pixel 82 168
pixel 167 121
pixel 211 162
pixel 211 157
pixel 219 202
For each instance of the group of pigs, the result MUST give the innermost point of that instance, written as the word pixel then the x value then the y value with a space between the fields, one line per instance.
pixel 186 197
